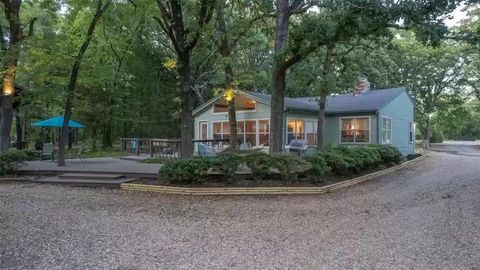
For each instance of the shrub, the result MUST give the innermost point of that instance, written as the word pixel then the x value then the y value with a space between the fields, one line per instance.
pixel 340 164
pixel 227 164
pixel 11 160
pixel 260 163
pixel 32 154
pixel 437 136
pixel 389 153
pixel 289 166
pixel 185 171
pixel 318 167
pixel 366 157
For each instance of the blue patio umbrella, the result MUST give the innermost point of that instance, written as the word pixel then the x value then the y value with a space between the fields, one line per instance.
pixel 57 122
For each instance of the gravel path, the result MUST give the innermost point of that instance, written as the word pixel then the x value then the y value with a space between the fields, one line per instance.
pixel 425 217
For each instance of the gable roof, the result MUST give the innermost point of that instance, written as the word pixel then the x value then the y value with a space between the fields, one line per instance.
pixel 369 102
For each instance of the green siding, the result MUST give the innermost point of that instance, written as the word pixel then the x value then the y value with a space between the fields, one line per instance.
pixel 401 110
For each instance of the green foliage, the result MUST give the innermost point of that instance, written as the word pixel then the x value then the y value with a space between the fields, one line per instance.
pixel 437 136
pixel 389 153
pixel 227 164
pixel 260 163
pixel 10 161
pixel 289 166
pixel 32 154
pixel 185 171
pixel 319 167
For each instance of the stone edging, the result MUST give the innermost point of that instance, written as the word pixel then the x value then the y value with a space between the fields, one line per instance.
pixel 266 190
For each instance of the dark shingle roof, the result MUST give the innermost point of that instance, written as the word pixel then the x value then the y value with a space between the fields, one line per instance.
pixel 370 101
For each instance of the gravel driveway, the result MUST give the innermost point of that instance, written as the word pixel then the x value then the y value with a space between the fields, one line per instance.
pixel 425 217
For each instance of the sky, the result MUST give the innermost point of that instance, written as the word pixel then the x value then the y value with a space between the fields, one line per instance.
pixel 457 15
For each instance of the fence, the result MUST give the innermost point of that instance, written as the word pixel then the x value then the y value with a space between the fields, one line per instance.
pixel 166 148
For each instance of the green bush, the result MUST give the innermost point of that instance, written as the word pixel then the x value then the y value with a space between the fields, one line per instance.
pixel 10 161
pixel 289 166
pixel 318 167
pixel 185 171
pixel 32 154
pixel 227 164
pixel 340 164
pixel 366 157
pixel 260 163
pixel 437 136
pixel 389 153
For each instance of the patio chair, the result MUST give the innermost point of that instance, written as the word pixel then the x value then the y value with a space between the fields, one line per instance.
pixel 245 146
pixel 47 151
pixel 79 154
pixel 205 151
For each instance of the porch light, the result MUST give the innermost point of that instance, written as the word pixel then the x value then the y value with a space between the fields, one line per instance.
pixel 229 94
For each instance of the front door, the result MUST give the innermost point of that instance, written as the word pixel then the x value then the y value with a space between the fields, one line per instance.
pixel 203 130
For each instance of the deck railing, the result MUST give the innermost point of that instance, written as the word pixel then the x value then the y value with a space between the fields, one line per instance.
pixel 166 148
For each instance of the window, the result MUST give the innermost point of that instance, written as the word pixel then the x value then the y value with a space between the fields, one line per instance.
pixel 242 104
pixel 255 132
pixel 302 130
pixel 311 132
pixel 412 132
pixel 221 130
pixel 263 132
pixel 355 130
pixel 386 130
pixel 246 132
pixel 295 130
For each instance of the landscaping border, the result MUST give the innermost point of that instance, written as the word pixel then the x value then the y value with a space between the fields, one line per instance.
pixel 265 190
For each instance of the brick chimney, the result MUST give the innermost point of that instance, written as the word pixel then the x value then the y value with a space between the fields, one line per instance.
pixel 362 85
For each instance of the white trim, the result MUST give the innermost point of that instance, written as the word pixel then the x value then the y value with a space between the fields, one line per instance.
pixel 236 111
pixel 257 128
pixel 200 129
pixel 391 128
pixel 354 117
pixel 305 120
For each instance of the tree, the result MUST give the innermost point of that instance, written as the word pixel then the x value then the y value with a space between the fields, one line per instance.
pixel 11 52
pixel 184 34
pixel 100 10
pixel 283 60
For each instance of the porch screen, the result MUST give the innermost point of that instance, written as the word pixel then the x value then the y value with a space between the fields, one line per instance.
pixel 355 130
pixel 242 104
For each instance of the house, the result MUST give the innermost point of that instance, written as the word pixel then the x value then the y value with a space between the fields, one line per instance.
pixel 366 117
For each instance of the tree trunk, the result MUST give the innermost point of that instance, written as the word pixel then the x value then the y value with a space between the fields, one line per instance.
pixel 73 80
pixel 12 11
pixel 279 77
pixel 187 96
pixel 427 136
pixel 326 86
pixel 321 120
pixel 226 50
pixel 232 114
pixel 6 119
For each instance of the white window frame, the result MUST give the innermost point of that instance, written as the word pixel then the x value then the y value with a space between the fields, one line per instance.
pixel 257 128
pixel 200 129
pixel 355 117
pixel 236 111
pixel 305 121
pixel 384 130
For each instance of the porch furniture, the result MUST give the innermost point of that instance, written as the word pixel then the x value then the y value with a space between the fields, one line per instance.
pixel 205 151
pixel 297 146
pixel 245 146
pixel 47 151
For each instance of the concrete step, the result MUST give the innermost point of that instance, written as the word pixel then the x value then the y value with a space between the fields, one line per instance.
pixel 91 176
pixel 84 182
